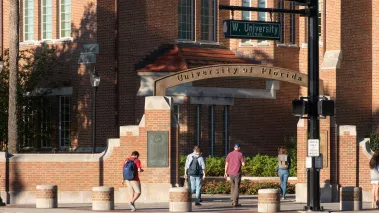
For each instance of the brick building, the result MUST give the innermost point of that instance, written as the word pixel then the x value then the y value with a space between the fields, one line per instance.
pixel 133 40
pixel 143 40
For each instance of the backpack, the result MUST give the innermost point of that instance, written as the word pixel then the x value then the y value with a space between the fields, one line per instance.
pixel 194 168
pixel 129 171
pixel 283 161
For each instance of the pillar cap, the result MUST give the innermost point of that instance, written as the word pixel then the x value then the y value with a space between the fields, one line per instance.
pixel 102 188
pixel 179 189
pixel 46 186
pixel 268 191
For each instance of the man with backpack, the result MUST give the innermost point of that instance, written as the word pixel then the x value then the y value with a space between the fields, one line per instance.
pixel 195 169
pixel 132 166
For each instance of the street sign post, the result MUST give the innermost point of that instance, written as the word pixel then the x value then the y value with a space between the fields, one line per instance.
pixel 313 172
pixel 252 29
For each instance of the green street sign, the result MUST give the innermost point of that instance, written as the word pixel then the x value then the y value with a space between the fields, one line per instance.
pixel 252 29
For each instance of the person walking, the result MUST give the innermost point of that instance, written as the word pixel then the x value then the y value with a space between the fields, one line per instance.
pixel 233 163
pixel 374 174
pixel 132 166
pixel 284 162
pixel 195 169
pixel 188 160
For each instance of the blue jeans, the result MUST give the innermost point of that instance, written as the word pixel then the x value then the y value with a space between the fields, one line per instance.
pixel 196 183
pixel 283 175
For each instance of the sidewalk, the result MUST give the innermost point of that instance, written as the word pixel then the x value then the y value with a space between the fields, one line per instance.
pixel 215 203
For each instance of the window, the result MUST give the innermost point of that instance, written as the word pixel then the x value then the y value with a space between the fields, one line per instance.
pixel 292 25
pixel 211 132
pixel 65 18
pixel 208 20
pixel 261 15
pixel 28 20
pixel 320 9
pixel 281 21
pixel 46 123
pixel 186 20
pixel 47 19
pixel 36 123
pixel 64 121
pixel 176 112
pixel 29 118
pixel 246 16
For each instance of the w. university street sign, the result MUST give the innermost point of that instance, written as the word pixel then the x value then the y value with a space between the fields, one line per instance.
pixel 252 29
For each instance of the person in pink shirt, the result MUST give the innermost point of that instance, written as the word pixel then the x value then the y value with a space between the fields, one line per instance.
pixel 233 163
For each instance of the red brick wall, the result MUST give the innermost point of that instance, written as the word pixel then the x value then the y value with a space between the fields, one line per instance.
pixel 364 171
pixel 348 159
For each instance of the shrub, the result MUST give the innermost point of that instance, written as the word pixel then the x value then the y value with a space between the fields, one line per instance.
pixel 374 141
pixel 257 166
pixel 247 187
pixel 291 143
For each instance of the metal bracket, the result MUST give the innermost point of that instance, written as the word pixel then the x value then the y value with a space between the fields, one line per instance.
pixel 232 14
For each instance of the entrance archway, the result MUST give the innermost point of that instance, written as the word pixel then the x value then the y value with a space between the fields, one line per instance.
pixel 231 70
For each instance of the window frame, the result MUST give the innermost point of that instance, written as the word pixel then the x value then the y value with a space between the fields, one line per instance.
pixel 60 122
pixel 258 2
pixel 47 112
pixel 192 37
pixel 246 41
pixel 24 22
pixel 42 28
pixel 60 20
pixel 292 24
pixel 215 21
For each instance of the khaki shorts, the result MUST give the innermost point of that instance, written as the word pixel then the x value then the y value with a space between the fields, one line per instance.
pixel 133 187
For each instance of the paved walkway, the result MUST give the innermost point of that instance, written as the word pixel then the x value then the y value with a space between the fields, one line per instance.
pixel 216 203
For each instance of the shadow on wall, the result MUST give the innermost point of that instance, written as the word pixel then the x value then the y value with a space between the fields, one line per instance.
pixel 71 74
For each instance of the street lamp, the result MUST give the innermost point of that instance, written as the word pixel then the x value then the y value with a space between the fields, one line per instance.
pixel 95 81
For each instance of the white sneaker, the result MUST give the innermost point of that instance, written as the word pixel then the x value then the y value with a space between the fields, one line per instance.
pixel 133 208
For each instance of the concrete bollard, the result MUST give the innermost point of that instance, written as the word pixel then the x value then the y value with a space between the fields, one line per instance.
pixel 47 196
pixel 268 200
pixel 180 200
pixel 102 198
pixel 350 198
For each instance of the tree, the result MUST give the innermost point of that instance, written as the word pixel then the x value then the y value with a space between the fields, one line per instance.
pixel 13 70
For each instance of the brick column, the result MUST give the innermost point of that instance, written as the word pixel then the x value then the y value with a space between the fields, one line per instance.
pixel 47 196
pixel 348 156
pixel 301 185
pixel 180 199
pixel 103 198
pixel 351 199
pixel 268 200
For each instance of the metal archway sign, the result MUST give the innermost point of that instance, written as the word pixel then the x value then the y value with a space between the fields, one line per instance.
pixel 231 70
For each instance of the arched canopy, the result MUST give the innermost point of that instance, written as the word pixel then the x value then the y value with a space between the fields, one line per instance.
pixel 231 70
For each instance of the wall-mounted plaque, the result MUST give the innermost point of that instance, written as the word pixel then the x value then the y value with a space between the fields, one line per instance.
pixel 324 147
pixel 157 149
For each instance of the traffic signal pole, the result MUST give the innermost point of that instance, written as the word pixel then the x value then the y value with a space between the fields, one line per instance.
pixel 313 174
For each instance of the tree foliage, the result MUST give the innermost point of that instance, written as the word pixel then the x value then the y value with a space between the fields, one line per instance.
pixel 35 67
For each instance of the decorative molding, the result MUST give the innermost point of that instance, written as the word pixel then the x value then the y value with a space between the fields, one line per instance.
pixel 231 70
pixel 112 143
pixel 365 144
pixel 351 129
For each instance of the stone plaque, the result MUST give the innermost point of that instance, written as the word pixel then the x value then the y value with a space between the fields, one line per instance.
pixel 157 149
pixel 324 147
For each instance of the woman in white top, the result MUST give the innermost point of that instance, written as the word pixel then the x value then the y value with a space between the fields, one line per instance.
pixel 374 174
